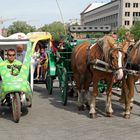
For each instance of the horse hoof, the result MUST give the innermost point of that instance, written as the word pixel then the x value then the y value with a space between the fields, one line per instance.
pixel 81 108
pixel 92 115
pixel 108 114
pixel 127 116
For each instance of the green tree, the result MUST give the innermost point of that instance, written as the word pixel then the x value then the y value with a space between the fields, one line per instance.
pixel 97 34
pixel 121 32
pixel 57 29
pixel 135 30
pixel 20 26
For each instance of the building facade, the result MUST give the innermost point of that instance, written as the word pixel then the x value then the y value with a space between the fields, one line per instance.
pixel 115 13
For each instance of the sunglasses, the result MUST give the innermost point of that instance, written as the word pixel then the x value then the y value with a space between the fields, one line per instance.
pixel 11 54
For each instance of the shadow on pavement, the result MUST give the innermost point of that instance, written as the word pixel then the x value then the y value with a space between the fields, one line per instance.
pixel 71 106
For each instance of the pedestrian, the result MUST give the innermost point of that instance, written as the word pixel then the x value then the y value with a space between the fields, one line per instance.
pixel 20 52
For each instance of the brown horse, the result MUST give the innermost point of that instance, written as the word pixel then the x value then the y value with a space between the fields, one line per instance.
pixel 84 72
pixel 131 77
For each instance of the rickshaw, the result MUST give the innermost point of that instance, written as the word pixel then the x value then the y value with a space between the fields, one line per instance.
pixel 15 90
pixel 45 39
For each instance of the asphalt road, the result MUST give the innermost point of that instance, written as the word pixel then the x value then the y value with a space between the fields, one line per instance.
pixel 48 119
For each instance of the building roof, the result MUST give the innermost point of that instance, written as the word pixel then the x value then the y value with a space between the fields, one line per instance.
pixel 93 6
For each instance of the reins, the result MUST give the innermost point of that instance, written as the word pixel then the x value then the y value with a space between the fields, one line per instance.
pixel 128 55
pixel 87 63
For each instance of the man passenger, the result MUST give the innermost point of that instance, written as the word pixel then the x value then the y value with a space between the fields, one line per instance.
pixel 20 52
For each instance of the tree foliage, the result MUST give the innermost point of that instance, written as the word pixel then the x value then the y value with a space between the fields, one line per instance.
pixel 135 30
pixel 57 29
pixel 121 32
pixel 20 26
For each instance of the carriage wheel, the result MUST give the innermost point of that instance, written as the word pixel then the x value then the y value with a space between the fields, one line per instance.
pixel 49 83
pixel 64 86
pixel 16 107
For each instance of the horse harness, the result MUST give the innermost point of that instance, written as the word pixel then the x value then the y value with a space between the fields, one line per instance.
pixel 100 64
pixel 131 68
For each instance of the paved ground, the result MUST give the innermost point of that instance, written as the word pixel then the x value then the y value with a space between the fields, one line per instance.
pixel 48 119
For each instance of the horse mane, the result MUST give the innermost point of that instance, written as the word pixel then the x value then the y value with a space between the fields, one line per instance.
pixel 137 44
pixel 111 40
pixel 135 52
pixel 106 43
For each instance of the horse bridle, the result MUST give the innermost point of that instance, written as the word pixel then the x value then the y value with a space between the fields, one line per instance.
pixel 128 61
pixel 110 58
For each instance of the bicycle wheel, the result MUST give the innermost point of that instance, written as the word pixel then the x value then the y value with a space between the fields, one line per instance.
pixel 16 107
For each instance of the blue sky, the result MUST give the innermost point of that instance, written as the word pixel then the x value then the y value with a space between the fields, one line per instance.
pixel 40 12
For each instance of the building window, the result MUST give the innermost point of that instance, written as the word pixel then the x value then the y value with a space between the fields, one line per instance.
pixel 127 14
pixel 126 22
pixel 136 14
pixel 127 4
pixel 135 5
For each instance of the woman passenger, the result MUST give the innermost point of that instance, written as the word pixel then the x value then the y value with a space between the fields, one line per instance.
pixel 42 64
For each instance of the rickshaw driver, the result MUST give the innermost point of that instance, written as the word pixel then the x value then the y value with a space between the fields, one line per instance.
pixel 11 55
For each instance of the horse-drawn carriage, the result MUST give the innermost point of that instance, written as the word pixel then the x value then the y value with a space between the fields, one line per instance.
pixel 60 61
pixel 59 66
pixel 110 63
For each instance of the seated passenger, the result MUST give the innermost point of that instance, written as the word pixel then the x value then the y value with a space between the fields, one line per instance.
pixel 114 35
pixel 35 57
pixel 61 44
pixel 20 52
pixel 42 64
pixel 55 45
